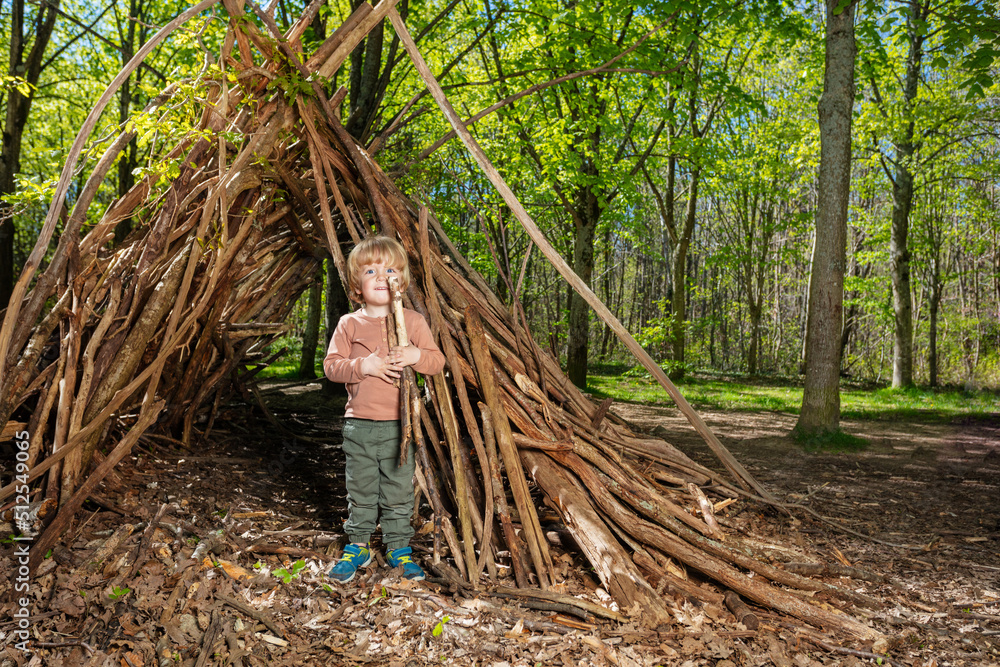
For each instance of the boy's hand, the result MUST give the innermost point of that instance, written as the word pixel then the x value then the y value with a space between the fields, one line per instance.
pixel 378 366
pixel 404 356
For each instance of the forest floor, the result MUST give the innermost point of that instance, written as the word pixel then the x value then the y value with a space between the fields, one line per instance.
pixel 919 505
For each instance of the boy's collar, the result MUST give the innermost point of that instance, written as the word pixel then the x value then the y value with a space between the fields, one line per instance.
pixel 364 311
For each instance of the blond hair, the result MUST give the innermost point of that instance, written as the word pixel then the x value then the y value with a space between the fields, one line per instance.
pixel 376 250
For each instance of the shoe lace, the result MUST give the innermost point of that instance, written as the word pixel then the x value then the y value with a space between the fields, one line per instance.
pixel 349 557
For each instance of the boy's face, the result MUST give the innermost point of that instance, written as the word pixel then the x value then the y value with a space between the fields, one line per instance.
pixel 374 282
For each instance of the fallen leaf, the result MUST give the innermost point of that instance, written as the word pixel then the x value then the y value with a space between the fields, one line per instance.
pixel 516 630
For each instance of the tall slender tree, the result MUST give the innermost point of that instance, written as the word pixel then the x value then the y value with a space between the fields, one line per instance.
pixel 821 398
pixel 902 202
pixel 133 31
pixel 26 60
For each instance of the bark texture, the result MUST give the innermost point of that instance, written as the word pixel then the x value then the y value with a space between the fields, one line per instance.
pixel 821 395
pixel 902 202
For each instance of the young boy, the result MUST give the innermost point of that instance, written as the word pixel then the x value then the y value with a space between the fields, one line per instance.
pixel 359 355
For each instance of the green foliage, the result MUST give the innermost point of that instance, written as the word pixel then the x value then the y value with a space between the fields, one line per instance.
pixel 439 627
pixel 287 575
pixel 119 592
pixel 749 75
pixel 656 334
pixel 782 395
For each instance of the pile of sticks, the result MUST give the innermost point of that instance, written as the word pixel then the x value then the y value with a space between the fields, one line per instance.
pixel 110 343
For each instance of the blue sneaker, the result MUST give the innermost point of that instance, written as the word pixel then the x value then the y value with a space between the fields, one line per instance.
pixel 401 558
pixel 354 557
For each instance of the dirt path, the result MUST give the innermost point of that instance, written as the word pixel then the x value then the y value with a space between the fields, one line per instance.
pixel 932 490
pixel 918 484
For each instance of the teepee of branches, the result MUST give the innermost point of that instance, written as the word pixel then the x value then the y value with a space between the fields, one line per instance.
pixel 108 342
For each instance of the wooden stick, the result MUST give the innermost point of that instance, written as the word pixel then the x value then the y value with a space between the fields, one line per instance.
pixel 68 509
pixel 450 425
pixel 505 439
pixel 485 544
pixel 742 612
pixel 407 407
pixel 500 499
pixel 255 614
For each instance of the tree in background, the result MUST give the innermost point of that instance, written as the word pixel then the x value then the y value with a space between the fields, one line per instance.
pixel 954 35
pixel 26 61
pixel 133 31
pixel 720 221
pixel 310 339
pixel 577 136
pixel 821 396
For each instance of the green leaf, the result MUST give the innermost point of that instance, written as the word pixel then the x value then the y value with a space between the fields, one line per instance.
pixel 117 592
pixel 439 628
pixel 841 6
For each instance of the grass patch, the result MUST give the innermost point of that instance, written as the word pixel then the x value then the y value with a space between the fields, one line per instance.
pixel 836 442
pixel 736 393
pixel 287 368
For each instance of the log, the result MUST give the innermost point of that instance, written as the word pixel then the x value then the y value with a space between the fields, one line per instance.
pixel 612 564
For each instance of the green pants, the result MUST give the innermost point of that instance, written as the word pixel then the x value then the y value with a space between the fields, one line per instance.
pixel 376 483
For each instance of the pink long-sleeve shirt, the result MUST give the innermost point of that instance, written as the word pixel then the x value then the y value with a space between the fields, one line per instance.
pixel 356 337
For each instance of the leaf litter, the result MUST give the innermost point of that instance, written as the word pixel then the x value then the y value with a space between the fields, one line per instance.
pixel 232 571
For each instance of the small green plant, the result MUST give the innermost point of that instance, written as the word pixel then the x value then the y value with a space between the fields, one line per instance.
pixel 118 592
pixel 328 588
pixel 439 628
pixel 287 575
pixel 259 564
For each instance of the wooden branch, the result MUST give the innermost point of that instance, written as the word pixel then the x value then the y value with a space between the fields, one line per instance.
pixel 505 439
pixel 742 612
pixel 500 498
pixel 612 564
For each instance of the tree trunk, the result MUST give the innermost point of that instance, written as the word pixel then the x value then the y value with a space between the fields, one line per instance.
pixel 902 202
pixel 336 306
pixel 753 352
pixel 18 107
pixel 932 355
pixel 307 363
pixel 678 302
pixel 821 395
pixel 578 338
pixel 851 315
pixel 127 162
pixel 368 80
pixel 936 292
pixel 899 268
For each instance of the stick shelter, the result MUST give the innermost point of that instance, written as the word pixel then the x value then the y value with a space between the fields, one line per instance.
pixel 107 342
